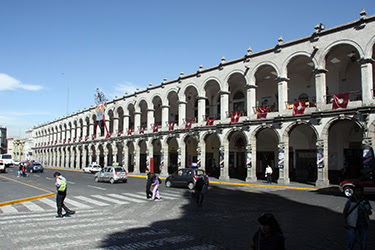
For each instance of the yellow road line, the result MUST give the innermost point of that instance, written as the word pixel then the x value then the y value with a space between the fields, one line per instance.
pixel 65 169
pixel 246 184
pixel 49 193
pixel 26 199
pixel 260 185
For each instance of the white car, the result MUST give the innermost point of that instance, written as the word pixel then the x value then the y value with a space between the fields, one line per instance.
pixel 92 168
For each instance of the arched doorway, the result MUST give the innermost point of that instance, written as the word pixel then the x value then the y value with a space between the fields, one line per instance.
pixel 267 153
pixel 237 155
pixel 344 152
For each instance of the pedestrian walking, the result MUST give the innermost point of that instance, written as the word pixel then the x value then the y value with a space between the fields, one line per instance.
pixel 61 186
pixel 148 184
pixel 269 236
pixel 155 184
pixel 201 187
pixel 269 174
pixel 356 214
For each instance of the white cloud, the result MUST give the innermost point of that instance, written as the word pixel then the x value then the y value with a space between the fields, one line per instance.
pixel 9 83
pixel 120 89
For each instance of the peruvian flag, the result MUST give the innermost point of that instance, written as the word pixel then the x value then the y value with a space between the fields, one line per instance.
pixel 235 116
pixel 142 130
pixel 156 127
pixel 262 112
pixel 188 124
pixel 340 100
pixel 210 121
pixel 299 108
pixel 171 125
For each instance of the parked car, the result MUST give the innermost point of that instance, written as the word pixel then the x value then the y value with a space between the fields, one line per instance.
pixel 185 177
pixel 34 166
pixel 2 166
pixel 367 181
pixel 92 168
pixel 112 174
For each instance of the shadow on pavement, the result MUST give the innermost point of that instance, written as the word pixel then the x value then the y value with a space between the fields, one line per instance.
pixel 228 220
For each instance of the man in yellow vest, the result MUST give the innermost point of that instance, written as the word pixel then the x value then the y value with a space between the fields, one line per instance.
pixel 61 194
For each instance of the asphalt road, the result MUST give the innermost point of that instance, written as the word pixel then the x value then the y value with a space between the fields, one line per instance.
pixel 228 219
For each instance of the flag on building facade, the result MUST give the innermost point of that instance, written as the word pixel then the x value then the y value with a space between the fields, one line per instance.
pixel 210 121
pixel 235 117
pixel 262 112
pixel 340 100
pixel 299 108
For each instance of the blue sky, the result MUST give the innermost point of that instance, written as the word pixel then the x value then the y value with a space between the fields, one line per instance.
pixel 54 54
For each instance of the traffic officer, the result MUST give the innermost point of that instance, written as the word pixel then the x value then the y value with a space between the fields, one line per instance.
pixel 61 194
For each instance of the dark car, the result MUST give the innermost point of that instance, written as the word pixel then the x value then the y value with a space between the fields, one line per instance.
pixel 185 177
pixel 34 167
pixel 367 181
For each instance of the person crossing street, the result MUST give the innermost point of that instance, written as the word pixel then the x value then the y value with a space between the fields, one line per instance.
pixel 61 186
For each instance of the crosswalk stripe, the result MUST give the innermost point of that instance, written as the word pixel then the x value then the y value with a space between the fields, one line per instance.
pixel 8 209
pixel 32 206
pixel 173 194
pixel 96 202
pixel 124 197
pixel 76 204
pixel 48 202
pixel 161 195
pixel 138 195
pixel 110 199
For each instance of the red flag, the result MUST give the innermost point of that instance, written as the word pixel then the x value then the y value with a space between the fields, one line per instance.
pixel 156 127
pixel 235 116
pixel 298 108
pixel 340 100
pixel 130 131
pixel 210 121
pixel 188 124
pixel 119 133
pixel 171 125
pixel 142 130
pixel 262 112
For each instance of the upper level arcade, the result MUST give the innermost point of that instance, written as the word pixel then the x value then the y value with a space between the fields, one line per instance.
pixel 329 71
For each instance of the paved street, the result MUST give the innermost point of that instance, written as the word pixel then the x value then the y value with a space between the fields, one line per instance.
pixel 119 217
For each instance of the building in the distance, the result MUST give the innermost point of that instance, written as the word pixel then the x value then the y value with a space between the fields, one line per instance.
pixel 3 140
pixel 306 107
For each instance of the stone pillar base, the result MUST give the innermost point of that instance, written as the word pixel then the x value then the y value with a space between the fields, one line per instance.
pixel 322 183
pixel 224 178
pixel 251 179
pixel 283 181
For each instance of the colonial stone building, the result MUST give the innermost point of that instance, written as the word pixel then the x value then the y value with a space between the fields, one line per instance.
pixel 306 107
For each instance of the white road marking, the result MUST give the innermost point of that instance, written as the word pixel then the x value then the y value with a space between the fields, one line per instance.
pixel 99 203
pixel 77 204
pixel 8 209
pixel 110 199
pixel 32 206
pixel 124 197
pixel 48 202
pixel 100 188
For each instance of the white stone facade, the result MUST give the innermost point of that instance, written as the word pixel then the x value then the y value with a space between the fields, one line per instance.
pixel 310 70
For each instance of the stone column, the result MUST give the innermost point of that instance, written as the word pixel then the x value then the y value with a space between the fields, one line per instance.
pixel 182 113
pixel 320 87
pixel 201 110
pixel 150 120
pixel 63 159
pixel 283 163
pixel 106 127
pixel 251 100
pixel 224 162
pixel 78 158
pixel 84 132
pixel 164 117
pixel 91 130
pixel 106 153
pixel 137 157
pixel 126 124
pixel 125 159
pixel 114 153
pixel 84 156
pixel 115 126
pixel 137 122
pixel 224 105
pixel 73 158
pixel 179 158
pixel 78 135
pixel 183 154
pixel 322 163
pixel 250 165
pixel 202 153
pixel 283 93
pixel 367 81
